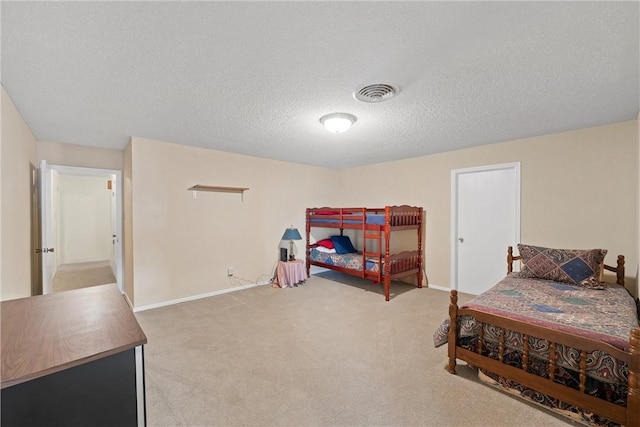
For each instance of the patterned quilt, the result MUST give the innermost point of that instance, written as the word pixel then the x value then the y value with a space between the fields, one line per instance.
pixel 351 261
pixel 606 314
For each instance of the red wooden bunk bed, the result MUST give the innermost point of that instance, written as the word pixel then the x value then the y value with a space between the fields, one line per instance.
pixel 592 378
pixel 374 262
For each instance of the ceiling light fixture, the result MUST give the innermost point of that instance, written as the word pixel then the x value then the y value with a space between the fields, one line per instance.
pixel 338 122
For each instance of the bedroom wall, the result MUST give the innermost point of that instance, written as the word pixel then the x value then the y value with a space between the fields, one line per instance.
pixel 182 247
pixel 637 293
pixel 56 153
pixel 127 223
pixel 579 190
pixel 18 150
pixel 84 219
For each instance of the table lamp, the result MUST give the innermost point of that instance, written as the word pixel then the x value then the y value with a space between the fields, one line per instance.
pixel 291 234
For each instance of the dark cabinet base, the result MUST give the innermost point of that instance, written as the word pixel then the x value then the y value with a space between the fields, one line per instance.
pixel 98 393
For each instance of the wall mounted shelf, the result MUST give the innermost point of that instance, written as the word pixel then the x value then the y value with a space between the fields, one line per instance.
pixel 217 189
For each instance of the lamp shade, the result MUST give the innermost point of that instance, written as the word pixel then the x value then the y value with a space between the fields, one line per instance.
pixel 291 234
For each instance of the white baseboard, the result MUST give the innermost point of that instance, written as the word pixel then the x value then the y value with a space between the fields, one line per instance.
pixel 114 266
pixel 314 269
pixel 195 297
pixel 439 288
pixel 126 297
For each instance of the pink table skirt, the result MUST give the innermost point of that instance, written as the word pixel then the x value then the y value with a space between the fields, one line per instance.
pixel 290 273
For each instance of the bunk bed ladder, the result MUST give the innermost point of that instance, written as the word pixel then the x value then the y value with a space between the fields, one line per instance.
pixel 370 235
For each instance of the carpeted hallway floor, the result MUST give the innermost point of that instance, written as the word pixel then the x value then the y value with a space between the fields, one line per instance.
pixel 322 354
pixel 82 275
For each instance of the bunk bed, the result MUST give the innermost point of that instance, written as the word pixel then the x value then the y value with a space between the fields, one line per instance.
pixel 373 262
pixel 580 360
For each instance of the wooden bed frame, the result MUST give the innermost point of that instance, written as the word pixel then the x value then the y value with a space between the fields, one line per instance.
pixel 629 415
pixel 395 266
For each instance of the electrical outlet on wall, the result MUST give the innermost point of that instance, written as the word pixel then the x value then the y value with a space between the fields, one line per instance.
pixel 230 271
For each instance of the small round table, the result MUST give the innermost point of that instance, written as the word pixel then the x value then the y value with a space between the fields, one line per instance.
pixel 290 273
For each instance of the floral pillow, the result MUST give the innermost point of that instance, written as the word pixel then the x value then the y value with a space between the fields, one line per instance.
pixel 574 266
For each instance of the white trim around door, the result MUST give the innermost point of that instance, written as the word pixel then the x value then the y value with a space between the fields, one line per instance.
pixel 83 171
pixel 456 175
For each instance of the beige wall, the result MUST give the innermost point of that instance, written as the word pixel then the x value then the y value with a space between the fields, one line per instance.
pixel 579 190
pixel 18 148
pixel 127 223
pixel 182 247
pixel 177 247
pixel 56 153
pixel 84 219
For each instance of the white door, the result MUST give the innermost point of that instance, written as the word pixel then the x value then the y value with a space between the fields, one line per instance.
pixel 485 209
pixel 48 244
pixel 115 232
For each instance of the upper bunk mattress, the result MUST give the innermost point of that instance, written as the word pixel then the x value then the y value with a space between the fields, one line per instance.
pixel 371 218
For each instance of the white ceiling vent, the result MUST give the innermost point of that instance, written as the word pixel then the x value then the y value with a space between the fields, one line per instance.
pixel 375 93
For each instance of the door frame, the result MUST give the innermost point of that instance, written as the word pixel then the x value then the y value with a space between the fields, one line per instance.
pixel 36 232
pixel 455 174
pixel 46 211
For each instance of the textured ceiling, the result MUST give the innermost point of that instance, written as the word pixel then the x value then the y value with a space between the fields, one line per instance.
pixel 255 77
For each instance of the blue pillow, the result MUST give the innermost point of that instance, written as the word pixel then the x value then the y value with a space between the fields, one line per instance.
pixel 343 245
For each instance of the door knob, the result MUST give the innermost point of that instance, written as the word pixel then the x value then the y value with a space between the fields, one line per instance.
pixel 460 239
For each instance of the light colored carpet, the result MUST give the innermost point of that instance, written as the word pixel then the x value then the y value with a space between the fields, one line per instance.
pixel 82 275
pixel 322 354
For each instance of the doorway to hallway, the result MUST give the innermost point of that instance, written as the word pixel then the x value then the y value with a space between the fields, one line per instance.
pixel 81 221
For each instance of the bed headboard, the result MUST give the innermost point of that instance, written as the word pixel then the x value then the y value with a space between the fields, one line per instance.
pixel 618 269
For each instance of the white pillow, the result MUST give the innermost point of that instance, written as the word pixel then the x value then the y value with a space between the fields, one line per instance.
pixel 325 250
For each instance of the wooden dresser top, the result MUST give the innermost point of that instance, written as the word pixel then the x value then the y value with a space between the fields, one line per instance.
pixel 49 333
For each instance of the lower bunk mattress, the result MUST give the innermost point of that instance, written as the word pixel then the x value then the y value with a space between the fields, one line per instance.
pixel 607 315
pixel 351 261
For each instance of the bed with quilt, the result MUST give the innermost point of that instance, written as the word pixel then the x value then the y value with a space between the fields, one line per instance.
pixel 554 334
pixel 375 226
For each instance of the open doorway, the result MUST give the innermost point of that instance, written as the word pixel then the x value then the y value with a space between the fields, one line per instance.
pixel 81 220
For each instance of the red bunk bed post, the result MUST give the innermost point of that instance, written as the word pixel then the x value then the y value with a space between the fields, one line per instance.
pixel 420 215
pixel 308 250
pixel 387 264
pixel 363 212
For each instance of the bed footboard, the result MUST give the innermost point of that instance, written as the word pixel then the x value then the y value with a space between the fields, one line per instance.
pixel 627 414
pixel 404 264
